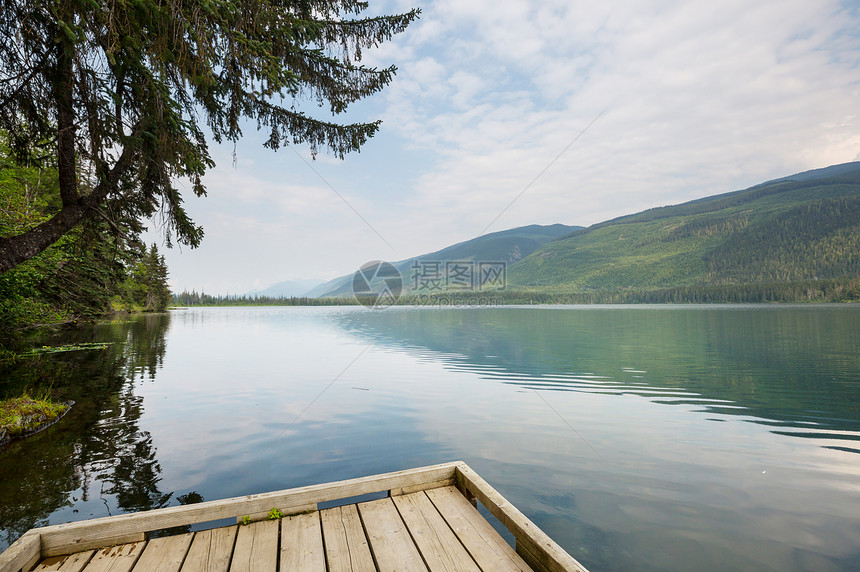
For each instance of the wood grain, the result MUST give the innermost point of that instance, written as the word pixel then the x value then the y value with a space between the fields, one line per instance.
pixel 211 550
pixel 438 544
pixel 165 554
pixel 69 563
pixel 346 544
pixel 256 547
pixel 535 541
pixel 486 546
pixel 119 558
pixel 302 543
pixel 390 543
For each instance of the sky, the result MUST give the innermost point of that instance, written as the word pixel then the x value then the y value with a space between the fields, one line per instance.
pixel 504 114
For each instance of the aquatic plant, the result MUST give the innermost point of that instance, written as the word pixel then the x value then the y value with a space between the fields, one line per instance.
pixel 68 348
pixel 23 415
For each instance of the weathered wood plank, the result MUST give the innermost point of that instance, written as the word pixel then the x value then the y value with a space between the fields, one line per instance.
pixel 93 544
pixel 422 487
pixel 164 554
pixel 256 547
pixel 438 544
pixel 211 550
pixel 486 546
pixel 69 563
pixel 22 553
pixel 346 545
pixel 115 558
pixel 336 543
pixel 76 536
pixel 531 559
pixel 390 543
pixel 536 542
pixel 302 543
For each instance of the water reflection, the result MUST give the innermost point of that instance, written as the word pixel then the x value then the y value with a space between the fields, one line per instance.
pixel 720 436
pixel 792 368
pixel 97 461
pixel 692 416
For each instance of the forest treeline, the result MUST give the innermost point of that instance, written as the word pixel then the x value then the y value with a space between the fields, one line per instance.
pixel 803 291
pixel 93 270
pixel 193 298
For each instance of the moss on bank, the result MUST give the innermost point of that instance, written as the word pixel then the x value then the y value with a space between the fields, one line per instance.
pixel 22 416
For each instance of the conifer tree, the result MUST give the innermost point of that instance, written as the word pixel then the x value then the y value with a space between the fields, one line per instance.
pixel 120 93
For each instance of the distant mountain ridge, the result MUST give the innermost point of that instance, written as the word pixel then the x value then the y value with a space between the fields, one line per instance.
pixel 826 172
pixel 507 246
pixel 286 289
pixel 723 200
pixel 802 227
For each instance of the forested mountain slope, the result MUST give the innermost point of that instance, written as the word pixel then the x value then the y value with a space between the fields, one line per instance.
pixel 801 228
pixel 506 246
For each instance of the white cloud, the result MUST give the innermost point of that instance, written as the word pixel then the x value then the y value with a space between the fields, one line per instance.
pixel 699 96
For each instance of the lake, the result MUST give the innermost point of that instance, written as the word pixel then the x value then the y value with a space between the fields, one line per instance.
pixel 638 437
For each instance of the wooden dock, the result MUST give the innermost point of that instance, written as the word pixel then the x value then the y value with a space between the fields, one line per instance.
pixel 427 521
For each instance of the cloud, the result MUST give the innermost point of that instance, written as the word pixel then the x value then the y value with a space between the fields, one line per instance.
pixel 694 98
pixel 699 97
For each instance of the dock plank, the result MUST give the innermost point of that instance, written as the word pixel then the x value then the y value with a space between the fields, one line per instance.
pixel 70 563
pixel 438 544
pixel 486 546
pixel 302 543
pixel 164 554
pixel 346 546
pixel 24 553
pixel 533 544
pixel 211 550
pixel 94 533
pixel 392 547
pixel 424 524
pixel 119 558
pixel 256 547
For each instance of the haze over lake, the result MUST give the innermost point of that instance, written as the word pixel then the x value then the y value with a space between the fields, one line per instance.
pixel 638 437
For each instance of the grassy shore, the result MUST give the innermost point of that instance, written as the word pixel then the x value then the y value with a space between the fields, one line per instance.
pixel 23 415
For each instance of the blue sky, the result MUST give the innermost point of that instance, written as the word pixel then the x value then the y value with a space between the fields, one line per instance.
pixel 518 112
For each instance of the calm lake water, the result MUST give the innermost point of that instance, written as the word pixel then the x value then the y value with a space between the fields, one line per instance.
pixel 639 438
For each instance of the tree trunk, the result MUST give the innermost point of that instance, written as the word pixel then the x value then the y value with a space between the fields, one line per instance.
pixel 16 249
pixel 66 163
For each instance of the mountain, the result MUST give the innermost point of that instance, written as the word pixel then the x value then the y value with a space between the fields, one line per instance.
pixel 286 289
pixel 321 290
pixel 824 173
pixel 805 227
pixel 506 246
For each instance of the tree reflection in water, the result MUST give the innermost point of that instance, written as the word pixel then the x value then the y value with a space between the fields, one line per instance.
pixel 97 461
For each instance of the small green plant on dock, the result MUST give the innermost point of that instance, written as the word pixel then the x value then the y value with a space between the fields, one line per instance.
pixel 275 514
pixel 246 520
